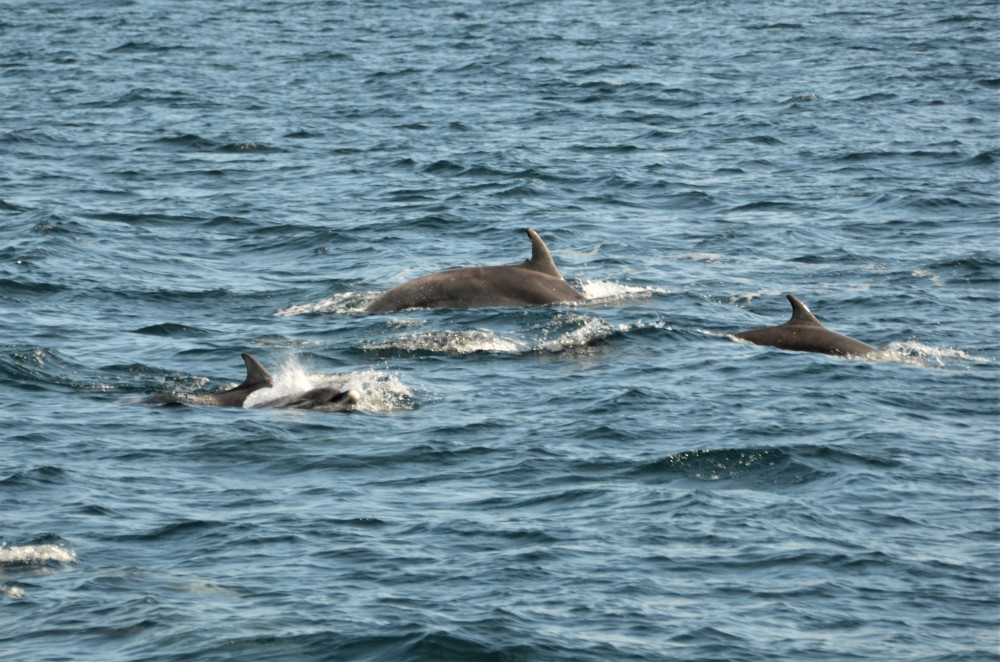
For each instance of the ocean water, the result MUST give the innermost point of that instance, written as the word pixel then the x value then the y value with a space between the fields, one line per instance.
pixel 615 480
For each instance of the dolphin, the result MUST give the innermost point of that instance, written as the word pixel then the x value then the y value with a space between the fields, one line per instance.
pixel 804 333
pixel 534 282
pixel 326 399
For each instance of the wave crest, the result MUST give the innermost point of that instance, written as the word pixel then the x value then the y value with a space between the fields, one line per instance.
pixel 35 555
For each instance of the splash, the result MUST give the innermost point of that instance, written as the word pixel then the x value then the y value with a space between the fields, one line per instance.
pixel 378 391
pixel 30 555
pixel 289 378
pixel 35 555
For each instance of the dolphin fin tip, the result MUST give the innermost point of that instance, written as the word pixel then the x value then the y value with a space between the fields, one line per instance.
pixel 256 373
pixel 541 259
pixel 801 313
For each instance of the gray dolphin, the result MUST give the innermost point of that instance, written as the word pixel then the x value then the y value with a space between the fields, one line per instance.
pixel 804 333
pixel 325 399
pixel 534 282
pixel 258 377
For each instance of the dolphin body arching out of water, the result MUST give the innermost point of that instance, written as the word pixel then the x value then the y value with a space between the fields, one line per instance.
pixel 258 377
pixel 804 333
pixel 534 282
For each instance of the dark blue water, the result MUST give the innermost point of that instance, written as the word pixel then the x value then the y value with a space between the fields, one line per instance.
pixel 619 480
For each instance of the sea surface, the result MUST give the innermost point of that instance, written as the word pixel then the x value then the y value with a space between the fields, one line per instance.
pixel 619 479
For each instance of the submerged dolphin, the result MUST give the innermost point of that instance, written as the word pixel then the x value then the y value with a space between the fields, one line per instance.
pixel 257 378
pixel 804 333
pixel 534 282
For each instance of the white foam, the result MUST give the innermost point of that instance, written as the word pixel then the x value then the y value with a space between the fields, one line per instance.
pixel 915 353
pixel 35 554
pixel 450 342
pixel 11 591
pixel 375 390
pixel 750 296
pixel 342 303
pixel 568 330
pixel 378 391
pixel 924 273
pixel 602 290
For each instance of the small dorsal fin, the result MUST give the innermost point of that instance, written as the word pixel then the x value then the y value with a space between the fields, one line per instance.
pixel 801 313
pixel 257 375
pixel 541 259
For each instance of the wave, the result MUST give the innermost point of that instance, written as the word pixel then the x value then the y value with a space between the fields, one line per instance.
pixel 171 330
pixel 32 367
pixel 30 364
pixel 38 476
pixel 479 639
pixel 748 467
pixel 754 468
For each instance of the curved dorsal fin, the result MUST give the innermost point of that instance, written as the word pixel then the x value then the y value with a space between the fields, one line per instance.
pixel 257 375
pixel 801 313
pixel 541 259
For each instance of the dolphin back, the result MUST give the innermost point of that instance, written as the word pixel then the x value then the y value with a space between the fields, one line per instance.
pixel 803 332
pixel 534 282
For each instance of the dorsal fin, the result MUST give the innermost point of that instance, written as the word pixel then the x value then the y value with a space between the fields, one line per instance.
pixel 541 259
pixel 257 375
pixel 801 313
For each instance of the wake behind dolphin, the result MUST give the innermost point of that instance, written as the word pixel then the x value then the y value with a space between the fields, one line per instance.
pixel 804 333
pixel 534 282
